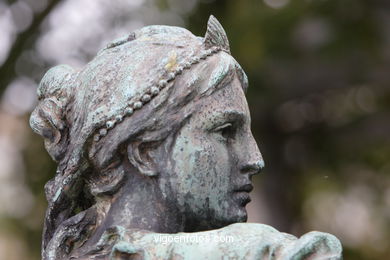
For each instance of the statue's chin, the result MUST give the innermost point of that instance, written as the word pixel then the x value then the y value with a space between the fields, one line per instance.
pixel 238 214
pixel 242 215
pixel 235 213
pixel 241 199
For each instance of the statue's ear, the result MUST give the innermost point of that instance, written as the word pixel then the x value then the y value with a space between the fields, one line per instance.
pixel 141 157
pixel 216 35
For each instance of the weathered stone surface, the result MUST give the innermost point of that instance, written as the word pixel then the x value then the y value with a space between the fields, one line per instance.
pixel 153 141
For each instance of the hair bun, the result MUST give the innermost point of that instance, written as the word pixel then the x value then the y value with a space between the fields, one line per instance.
pixel 47 119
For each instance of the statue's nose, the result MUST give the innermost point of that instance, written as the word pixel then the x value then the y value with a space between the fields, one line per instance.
pixel 253 161
pixel 253 168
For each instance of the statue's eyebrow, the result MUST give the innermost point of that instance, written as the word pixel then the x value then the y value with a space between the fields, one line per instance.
pixel 234 114
pixel 229 115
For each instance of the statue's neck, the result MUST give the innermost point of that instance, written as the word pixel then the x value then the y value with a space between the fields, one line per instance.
pixel 140 205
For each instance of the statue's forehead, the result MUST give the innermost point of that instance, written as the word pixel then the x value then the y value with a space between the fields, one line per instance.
pixel 229 98
pixel 226 104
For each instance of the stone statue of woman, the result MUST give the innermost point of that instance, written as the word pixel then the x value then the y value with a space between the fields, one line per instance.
pixel 155 155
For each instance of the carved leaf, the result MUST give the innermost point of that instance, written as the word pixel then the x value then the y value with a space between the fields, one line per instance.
pixel 216 35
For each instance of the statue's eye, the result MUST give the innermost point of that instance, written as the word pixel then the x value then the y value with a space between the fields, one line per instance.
pixel 226 131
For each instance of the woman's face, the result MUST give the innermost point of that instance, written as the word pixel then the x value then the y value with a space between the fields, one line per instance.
pixel 213 158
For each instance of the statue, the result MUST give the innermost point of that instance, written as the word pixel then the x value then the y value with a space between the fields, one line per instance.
pixel 155 155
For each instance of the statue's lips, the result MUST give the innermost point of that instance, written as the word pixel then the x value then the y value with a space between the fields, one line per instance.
pixel 242 194
pixel 244 188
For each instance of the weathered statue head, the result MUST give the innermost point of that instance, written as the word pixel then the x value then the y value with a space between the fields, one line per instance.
pixel 154 133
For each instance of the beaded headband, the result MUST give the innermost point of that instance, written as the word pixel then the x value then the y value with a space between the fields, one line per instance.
pixel 214 41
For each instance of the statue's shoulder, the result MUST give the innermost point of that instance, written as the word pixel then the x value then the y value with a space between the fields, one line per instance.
pixel 236 241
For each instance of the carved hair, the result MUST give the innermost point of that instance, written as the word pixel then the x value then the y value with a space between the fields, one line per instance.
pixel 76 110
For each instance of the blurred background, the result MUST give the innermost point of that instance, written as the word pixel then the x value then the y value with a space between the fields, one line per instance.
pixel 319 95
